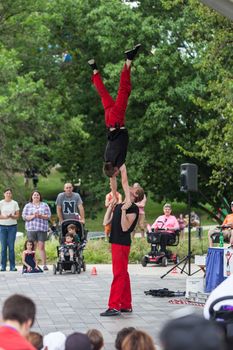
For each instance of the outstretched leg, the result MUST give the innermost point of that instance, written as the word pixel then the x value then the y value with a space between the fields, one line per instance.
pixel 106 98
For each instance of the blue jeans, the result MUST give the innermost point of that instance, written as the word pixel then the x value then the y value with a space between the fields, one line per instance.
pixel 7 239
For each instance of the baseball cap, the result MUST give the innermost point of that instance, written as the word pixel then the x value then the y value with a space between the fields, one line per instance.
pixel 167 205
pixel 78 341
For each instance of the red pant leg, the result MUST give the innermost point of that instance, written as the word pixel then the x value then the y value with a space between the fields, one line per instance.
pixel 106 98
pixel 120 288
pixel 117 113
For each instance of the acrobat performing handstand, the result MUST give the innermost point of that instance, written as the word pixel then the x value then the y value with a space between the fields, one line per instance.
pixel 117 144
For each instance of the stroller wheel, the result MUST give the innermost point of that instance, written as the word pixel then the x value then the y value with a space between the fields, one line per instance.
pixel 54 269
pixel 144 261
pixel 84 266
pixel 60 269
pixel 78 269
pixel 164 261
pixel 73 268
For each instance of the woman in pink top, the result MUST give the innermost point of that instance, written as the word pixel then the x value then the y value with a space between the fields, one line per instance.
pixel 167 222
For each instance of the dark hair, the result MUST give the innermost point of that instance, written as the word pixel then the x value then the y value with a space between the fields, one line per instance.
pixel 139 194
pixel 138 340
pixel 19 308
pixel 30 200
pixel 121 335
pixel 72 227
pixel 192 332
pixel 108 169
pixel 7 189
pixel 36 339
pixel 29 241
pixel 96 339
pixel 69 235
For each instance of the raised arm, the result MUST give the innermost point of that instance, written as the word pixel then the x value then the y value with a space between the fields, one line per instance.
pixel 125 185
pixel 109 212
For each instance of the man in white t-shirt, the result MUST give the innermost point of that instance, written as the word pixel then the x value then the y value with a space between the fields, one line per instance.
pixel 68 204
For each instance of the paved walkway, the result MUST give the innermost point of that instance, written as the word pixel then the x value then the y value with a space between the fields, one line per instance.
pixel 73 302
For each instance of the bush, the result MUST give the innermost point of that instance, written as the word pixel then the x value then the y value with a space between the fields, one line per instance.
pixel 98 251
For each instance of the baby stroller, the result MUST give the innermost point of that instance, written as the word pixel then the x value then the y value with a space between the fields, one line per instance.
pixel 78 262
pixel 154 256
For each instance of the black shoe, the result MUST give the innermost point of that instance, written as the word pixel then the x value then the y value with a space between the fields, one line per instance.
pixel 92 64
pixel 13 269
pixel 130 54
pixel 2 269
pixel 110 312
pixel 127 310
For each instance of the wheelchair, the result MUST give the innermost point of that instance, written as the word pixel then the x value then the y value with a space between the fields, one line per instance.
pixel 154 257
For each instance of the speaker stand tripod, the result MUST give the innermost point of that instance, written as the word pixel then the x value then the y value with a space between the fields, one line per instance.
pixel 187 259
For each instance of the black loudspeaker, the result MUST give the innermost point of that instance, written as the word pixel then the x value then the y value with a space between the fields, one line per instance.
pixel 188 177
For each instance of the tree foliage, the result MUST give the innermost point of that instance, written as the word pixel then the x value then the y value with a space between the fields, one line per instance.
pixel 180 108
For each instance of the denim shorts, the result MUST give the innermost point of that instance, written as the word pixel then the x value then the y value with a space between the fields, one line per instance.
pixel 37 236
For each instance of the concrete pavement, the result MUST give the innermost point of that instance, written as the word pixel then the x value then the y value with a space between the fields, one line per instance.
pixel 69 303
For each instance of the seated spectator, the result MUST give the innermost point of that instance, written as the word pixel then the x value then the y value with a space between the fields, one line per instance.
pixel 67 248
pixel 182 223
pixel 78 341
pixel 29 260
pixel 96 338
pixel 192 332
pixel 18 315
pixel 138 340
pixel 36 339
pixel 72 230
pixel 169 224
pixel 121 335
pixel 227 229
pixel 54 341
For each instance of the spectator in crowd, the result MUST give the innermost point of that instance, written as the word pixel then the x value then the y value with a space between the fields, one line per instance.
pixel 121 335
pixel 9 214
pixel 18 314
pixel 123 220
pixel 108 199
pixel 69 204
pixel 27 175
pixel 182 223
pixel 36 339
pixel 168 223
pixel 29 258
pixel 138 340
pixel 35 178
pixel 141 217
pixel 54 341
pixel 67 248
pixel 78 341
pixel 192 332
pixel 227 229
pixel 36 215
pixel 96 338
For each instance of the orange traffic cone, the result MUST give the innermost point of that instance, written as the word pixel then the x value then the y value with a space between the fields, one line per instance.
pixel 174 270
pixel 93 271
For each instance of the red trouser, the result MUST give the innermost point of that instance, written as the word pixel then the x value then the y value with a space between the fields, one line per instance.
pixel 120 294
pixel 114 110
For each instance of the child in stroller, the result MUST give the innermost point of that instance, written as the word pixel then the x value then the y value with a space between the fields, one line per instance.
pixel 70 252
pixel 68 247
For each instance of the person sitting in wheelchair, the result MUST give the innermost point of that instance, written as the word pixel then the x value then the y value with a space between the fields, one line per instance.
pixel 226 228
pixel 168 225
